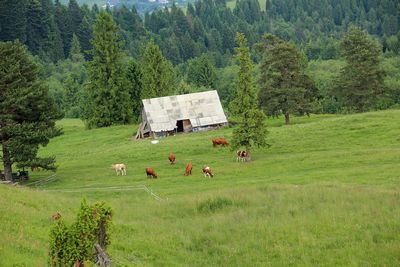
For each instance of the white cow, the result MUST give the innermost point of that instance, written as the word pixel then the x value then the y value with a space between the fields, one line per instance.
pixel 119 168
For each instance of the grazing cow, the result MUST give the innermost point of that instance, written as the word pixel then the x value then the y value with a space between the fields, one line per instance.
pixel 119 168
pixel 207 172
pixel 242 155
pixel 150 173
pixel 188 170
pixel 171 158
pixel 219 141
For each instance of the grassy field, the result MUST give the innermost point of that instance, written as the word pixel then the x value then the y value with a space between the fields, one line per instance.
pixel 326 193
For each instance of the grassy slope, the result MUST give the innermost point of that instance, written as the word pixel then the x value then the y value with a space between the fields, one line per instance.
pixel 325 193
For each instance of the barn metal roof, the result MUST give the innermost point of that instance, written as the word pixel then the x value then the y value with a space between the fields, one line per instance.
pixel 201 109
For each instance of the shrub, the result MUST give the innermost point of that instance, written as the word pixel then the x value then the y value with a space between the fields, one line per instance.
pixel 82 240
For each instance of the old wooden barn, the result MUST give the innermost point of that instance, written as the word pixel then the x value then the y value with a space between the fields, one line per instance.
pixel 167 115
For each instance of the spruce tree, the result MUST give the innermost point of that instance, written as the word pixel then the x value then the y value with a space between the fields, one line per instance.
pixel 201 72
pixel 284 87
pixel 361 81
pixel 75 51
pixel 158 75
pixel 251 130
pixel 134 76
pixel 84 35
pixel 61 20
pixel 13 20
pixel 27 113
pixel 107 92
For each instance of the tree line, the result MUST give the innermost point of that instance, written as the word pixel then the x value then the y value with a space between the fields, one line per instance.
pixel 207 26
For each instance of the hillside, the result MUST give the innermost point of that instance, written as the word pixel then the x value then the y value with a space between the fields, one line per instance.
pixel 325 193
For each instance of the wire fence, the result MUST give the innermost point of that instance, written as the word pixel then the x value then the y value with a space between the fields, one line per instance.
pixel 40 183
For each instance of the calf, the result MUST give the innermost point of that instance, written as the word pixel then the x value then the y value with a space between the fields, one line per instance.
pixel 150 173
pixel 119 168
pixel 171 158
pixel 241 155
pixel 188 170
pixel 219 141
pixel 207 172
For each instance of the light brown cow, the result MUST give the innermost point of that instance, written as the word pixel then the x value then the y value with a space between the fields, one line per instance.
pixel 219 141
pixel 171 158
pixel 188 170
pixel 119 168
pixel 150 173
pixel 207 172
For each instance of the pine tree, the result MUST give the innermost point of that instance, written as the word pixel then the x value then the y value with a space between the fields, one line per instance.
pixel 27 113
pixel 251 130
pixel 107 92
pixel 158 75
pixel 285 89
pixel 361 81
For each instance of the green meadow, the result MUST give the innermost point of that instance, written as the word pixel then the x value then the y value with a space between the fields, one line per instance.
pixel 326 193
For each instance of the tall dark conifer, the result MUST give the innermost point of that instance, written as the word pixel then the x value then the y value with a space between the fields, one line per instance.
pixel 158 75
pixel 107 91
pixel 251 130
pixel 13 20
pixel 134 76
pixel 27 113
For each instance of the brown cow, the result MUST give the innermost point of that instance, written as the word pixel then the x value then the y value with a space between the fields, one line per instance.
pixel 171 158
pixel 207 172
pixel 241 155
pixel 188 170
pixel 219 141
pixel 150 173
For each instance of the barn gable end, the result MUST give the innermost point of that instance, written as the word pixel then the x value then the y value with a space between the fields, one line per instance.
pixel 181 113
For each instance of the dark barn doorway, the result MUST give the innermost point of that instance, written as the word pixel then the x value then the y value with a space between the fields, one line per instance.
pixel 179 125
pixel 183 126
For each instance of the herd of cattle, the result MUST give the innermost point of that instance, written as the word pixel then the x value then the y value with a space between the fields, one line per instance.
pixel 120 168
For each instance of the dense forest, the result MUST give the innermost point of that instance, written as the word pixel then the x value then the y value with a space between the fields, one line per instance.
pixel 198 42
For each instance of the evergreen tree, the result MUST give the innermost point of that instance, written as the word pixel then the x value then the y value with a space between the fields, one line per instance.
pixel 108 99
pixel 27 113
pixel 251 130
pixel 75 51
pixel 361 81
pixel 61 20
pixel 13 20
pixel 285 89
pixel 37 30
pixel 84 34
pixel 201 72
pixel 158 75
pixel 134 76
